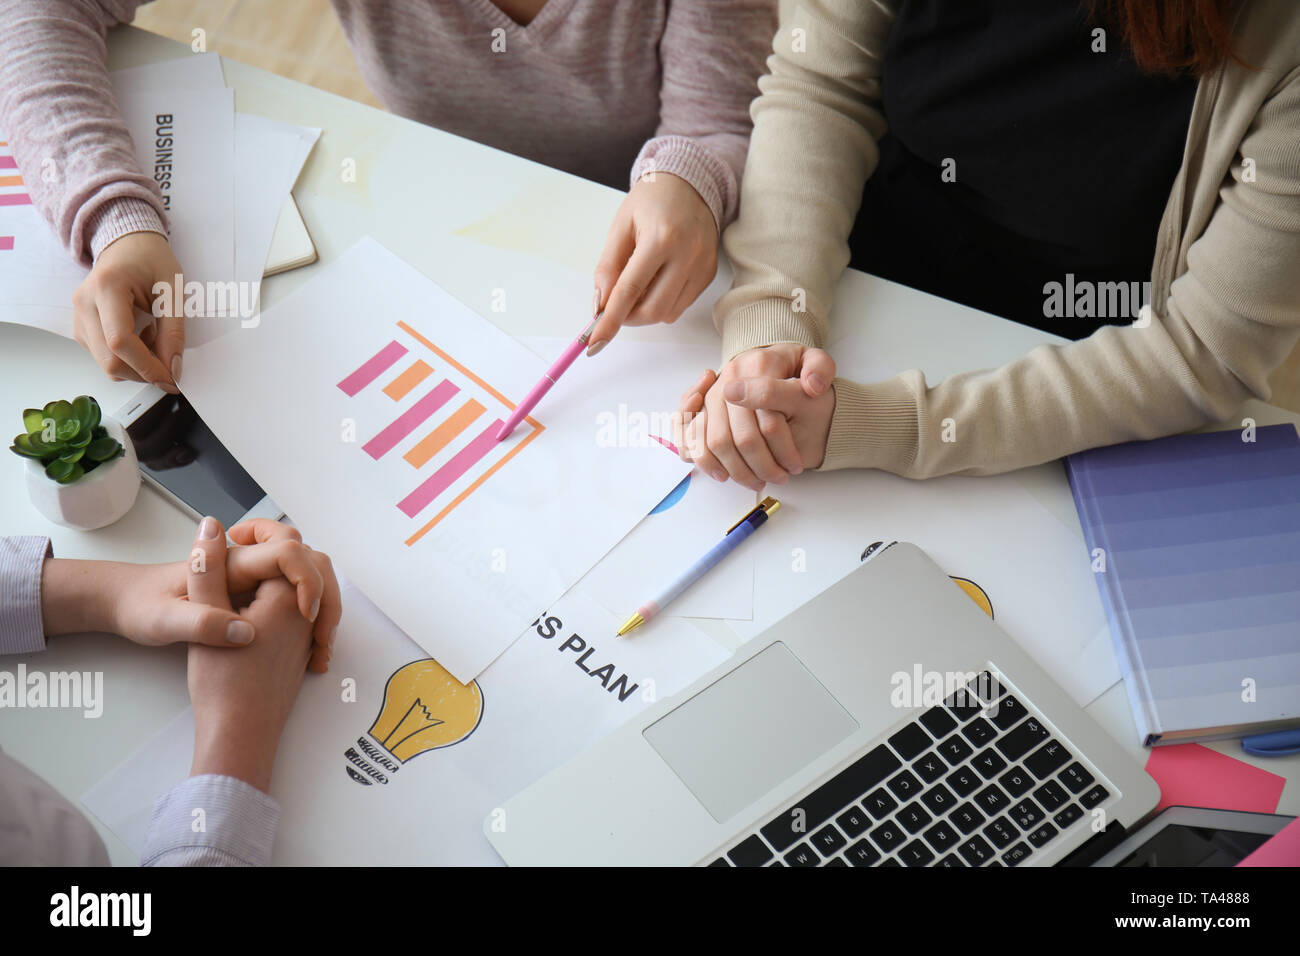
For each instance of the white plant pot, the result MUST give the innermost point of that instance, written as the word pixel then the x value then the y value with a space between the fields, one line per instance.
pixel 94 500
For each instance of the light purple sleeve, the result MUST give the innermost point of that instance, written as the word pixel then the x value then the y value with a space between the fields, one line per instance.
pixel 235 828
pixel 58 109
pixel 712 54
pixel 21 560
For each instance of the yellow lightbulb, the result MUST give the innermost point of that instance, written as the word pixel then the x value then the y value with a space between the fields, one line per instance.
pixel 425 708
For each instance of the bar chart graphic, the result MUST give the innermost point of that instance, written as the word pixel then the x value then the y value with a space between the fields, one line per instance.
pixel 444 425
pixel 12 192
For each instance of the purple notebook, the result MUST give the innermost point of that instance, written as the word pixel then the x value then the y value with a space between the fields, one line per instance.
pixel 1194 542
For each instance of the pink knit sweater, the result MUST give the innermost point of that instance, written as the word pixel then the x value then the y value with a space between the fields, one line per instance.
pixel 599 88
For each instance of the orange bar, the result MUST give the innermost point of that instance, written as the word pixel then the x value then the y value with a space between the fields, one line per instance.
pixel 11 180
pixel 444 434
pixel 413 376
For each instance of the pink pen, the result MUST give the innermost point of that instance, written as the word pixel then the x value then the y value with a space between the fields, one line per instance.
pixel 550 378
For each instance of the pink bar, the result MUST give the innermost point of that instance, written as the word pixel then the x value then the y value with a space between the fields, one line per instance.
pixel 8 162
pixel 6 243
pixel 376 366
pixel 15 199
pixel 441 480
pixel 409 420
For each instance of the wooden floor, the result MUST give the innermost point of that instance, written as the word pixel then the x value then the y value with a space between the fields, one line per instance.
pixel 303 41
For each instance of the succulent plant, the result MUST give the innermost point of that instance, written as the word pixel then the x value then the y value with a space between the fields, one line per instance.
pixel 67 438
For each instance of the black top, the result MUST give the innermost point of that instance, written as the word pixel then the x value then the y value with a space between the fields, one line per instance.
pixel 1063 157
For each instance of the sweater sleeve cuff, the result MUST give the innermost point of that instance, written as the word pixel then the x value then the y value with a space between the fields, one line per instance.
pixel 236 826
pixel 21 559
pixel 767 322
pixel 874 426
pixel 118 217
pixel 687 159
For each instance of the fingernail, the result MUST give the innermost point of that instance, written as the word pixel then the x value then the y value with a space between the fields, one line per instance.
pixel 596 347
pixel 734 392
pixel 595 300
pixel 176 369
pixel 239 632
pixel 718 475
pixel 817 382
pixel 208 529
pixel 315 608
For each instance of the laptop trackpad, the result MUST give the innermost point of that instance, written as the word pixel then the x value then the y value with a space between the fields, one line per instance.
pixel 749 731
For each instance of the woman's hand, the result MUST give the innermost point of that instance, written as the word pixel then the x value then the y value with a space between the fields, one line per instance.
pixel 746 440
pixel 661 253
pixel 104 306
pixel 242 698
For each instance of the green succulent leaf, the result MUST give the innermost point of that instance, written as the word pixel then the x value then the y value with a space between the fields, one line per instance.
pixel 59 469
pixel 86 409
pixel 103 449
pixel 60 411
pixel 22 446
pixel 68 429
pixel 99 431
pixel 72 454
pixel 76 472
pixel 33 419
pixel 84 438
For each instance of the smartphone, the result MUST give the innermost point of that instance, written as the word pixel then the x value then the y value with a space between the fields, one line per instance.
pixel 1191 836
pixel 181 457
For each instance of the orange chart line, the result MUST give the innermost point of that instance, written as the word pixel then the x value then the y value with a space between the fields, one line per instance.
pixel 481 478
pixel 440 437
pixel 464 371
pixel 413 376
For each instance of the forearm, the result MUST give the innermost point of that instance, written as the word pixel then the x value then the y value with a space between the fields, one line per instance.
pixel 60 115
pixel 816 125
pixel 232 746
pixel 77 596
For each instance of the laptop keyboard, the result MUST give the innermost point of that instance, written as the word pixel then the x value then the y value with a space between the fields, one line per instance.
pixel 976 781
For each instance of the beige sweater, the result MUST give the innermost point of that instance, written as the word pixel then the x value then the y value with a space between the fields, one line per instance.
pixel 1225 279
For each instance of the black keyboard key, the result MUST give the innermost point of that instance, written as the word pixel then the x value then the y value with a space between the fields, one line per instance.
pixel 1017 854
pixel 979 732
pixel 913 817
pixel 836 861
pixel 991 799
pixel 1051 795
pixel 1016 781
pixel 862 853
pixel 828 840
pixel 987 686
pixel 880 804
pixel 1001 831
pixel 1047 759
pixel 967 817
pixel 1006 713
pixel 930 768
pixel 1042 833
pixel 915 853
pixel 952 859
pixel 1068 815
pixel 888 835
pixel 939 799
pixel 1094 796
pixel 963 781
pixel 938 721
pixel 905 786
pixel 976 851
pixel 942 837
pixel 910 741
pixel 720 861
pixel 1025 814
pixel 963 704
pixel 802 855
pixel 853 821
pixel 750 851
pixel 1016 743
pixel 1076 777
pixel 988 763
pixel 831 797
pixel 955 750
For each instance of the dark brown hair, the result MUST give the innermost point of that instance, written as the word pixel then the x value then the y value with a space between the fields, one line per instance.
pixel 1173 36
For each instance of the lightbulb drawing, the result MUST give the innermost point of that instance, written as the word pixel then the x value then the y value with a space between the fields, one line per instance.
pixel 424 708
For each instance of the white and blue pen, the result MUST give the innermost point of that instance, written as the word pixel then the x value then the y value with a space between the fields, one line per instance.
pixel 736 534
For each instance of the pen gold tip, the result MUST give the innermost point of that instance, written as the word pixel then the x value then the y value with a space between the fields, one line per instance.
pixel 633 622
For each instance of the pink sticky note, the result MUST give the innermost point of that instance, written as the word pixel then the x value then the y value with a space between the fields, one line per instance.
pixel 1194 776
pixel 1282 850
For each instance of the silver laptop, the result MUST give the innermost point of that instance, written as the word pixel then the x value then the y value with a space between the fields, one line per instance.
pixel 886 722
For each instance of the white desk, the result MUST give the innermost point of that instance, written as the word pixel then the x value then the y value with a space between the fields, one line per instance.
pixel 475 220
